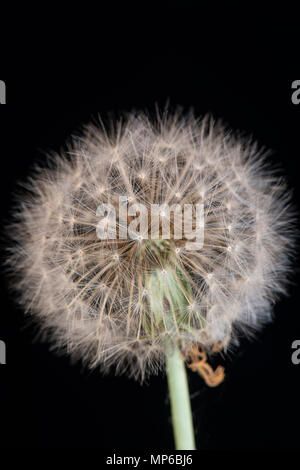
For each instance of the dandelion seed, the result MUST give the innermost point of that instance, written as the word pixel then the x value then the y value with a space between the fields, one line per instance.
pixel 192 306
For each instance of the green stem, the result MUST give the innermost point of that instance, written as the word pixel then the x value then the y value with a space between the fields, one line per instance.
pixel 180 401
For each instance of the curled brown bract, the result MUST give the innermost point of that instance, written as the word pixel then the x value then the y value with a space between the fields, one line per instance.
pixel 197 362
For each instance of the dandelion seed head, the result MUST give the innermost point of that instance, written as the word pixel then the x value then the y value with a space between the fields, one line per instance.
pixel 101 300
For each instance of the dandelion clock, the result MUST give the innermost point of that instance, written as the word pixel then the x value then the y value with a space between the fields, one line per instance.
pixel 148 247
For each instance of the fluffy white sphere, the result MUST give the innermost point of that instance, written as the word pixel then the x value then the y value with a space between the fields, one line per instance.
pixel 117 302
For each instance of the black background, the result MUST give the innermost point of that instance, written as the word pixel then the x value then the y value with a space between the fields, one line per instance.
pixel 48 403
